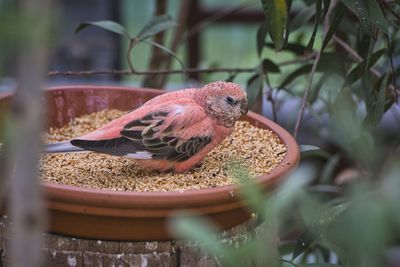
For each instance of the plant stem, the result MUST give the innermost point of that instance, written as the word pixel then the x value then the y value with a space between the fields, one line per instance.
pixel 164 71
pixel 305 96
pixel 132 43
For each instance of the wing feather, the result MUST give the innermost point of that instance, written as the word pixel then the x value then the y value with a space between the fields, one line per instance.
pixel 165 135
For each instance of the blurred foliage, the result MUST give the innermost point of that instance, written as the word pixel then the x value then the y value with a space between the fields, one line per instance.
pixel 341 208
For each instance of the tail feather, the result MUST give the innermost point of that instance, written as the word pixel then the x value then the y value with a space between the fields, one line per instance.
pixel 61 147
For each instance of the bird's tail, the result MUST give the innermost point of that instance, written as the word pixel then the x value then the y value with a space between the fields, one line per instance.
pixel 61 147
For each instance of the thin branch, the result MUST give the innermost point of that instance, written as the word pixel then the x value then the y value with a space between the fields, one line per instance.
pixel 358 58
pixel 305 96
pixel 147 72
pixel 165 71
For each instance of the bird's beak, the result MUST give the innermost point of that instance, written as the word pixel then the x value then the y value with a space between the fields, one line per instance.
pixel 243 107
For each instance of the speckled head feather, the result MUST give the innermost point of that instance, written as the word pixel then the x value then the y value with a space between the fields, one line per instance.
pixel 225 102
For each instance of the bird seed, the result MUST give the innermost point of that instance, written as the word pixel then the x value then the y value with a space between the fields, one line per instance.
pixel 257 150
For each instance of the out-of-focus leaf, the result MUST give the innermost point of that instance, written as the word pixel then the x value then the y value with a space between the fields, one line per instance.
pixel 377 108
pixel 296 48
pixel 301 18
pixel 328 63
pixel 327 3
pixel 317 226
pixel 303 243
pixel 156 25
pixel 360 9
pixel 318 10
pixel 231 77
pixel 320 265
pixel 254 88
pixel 327 217
pixel 316 89
pixel 276 14
pixel 250 192
pixel 358 71
pixel 269 66
pixel 286 247
pixel 376 15
pixel 331 62
pixel 198 229
pixel 363 44
pixel 313 151
pixel 293 189
pixel 338 14
pixel 106 25
pixel 329 168
pixel 261 34
pixel 295 74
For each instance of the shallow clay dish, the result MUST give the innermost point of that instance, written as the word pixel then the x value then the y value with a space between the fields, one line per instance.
pixel 112 215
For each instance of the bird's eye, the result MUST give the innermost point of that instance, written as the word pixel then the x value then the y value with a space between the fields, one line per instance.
pixel 230 100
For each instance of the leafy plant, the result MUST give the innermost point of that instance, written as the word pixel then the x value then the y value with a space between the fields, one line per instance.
pixel 154 26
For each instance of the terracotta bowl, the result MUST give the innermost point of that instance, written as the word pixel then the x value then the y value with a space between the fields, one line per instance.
pixel 110 215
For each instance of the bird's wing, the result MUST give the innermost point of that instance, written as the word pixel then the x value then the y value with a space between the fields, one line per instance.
pixel 176 132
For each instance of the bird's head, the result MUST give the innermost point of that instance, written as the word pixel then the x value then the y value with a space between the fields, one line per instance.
pixel 225 102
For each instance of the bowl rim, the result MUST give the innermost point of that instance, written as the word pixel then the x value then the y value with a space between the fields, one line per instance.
pixel 156 200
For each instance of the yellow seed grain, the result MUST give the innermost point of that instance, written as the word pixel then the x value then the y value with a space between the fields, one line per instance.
pixel 258 150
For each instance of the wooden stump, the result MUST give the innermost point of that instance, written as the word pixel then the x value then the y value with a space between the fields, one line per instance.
pixel 61 250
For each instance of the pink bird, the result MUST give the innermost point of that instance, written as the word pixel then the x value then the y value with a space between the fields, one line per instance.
pixel 173 131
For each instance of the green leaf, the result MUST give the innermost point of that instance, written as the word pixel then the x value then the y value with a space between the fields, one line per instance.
pixel 368 13
pixel 231 77
pixel 363 44
pixel 303 243
pixel 318 10
pixel 327 217
pixel 313 151
pixel 261 34
pixel 376 15
pixel 156 25
pixel 276 13
pixel 297 49
pixel 316 89
pixel 252 194
pixel 318 225
pixel 269 66
pixel 295 74
pixel 254 88
pixel 358 71
pixel 166 50
pixel 338 14
pixel 376 109
pixel 106 25
pixel 302 17
pixel 198 229
pixel 328 63
pixel 360 9
pixel 329 168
